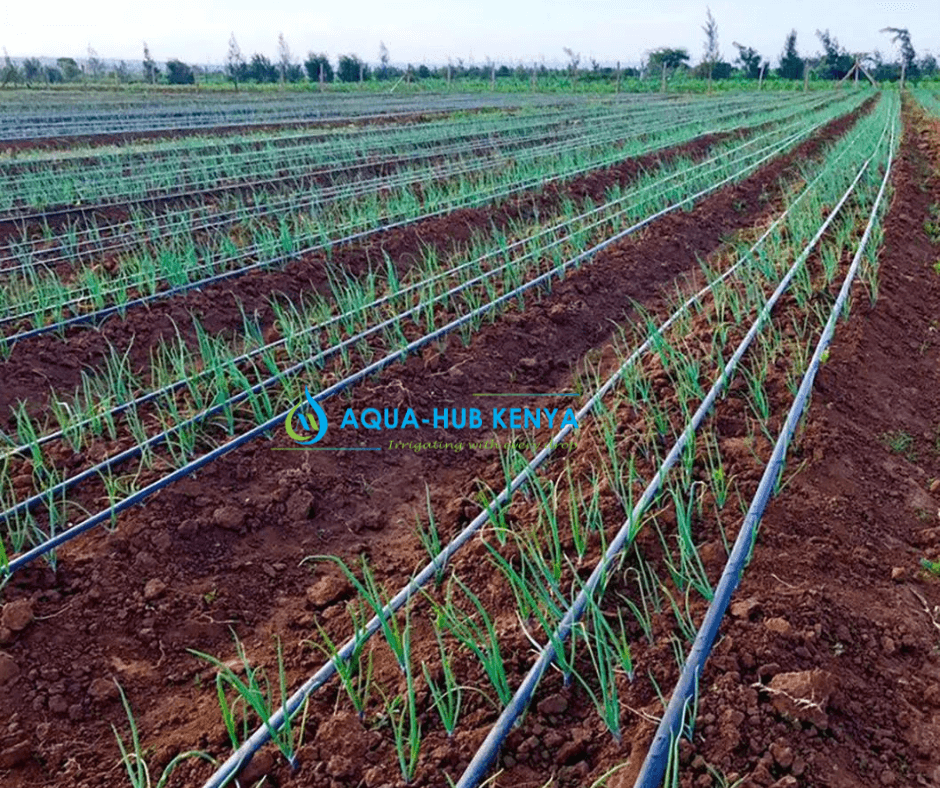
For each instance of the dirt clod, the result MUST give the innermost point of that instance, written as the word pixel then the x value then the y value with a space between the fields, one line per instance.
pixel 17 615
pixel 803 695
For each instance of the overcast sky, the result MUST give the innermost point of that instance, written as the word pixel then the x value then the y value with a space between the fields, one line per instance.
pixel 423 31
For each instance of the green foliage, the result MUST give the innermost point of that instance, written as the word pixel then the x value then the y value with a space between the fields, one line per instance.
pixel 68 68
pixel 836 63
pixel 668 57
pixel 313 65
pixel 179 73
pixel 261 69
pixel 352 69
pixel 791 64
pixel 749 61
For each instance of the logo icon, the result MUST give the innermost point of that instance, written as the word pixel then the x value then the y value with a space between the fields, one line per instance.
pixel 314 424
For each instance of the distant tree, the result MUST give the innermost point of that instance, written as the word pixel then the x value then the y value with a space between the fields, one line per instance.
pixel 908 56
pixel 121 72
pixel 10 73
pixel 574 60
pixel 285 59
pixel 151 70
pixel 53 76
pixel 927 65
pixel 668 57
pixel 350 69
pixel 712 55
pixel 424 72
pixel 383 60
pixel 791 64
pixel 235 67
pixel 68 68
pixel 95 65
pixel 179 73
pixel 836 62
pixel 313 64
pixel 32 71
pixel 748 60
pixel 261 69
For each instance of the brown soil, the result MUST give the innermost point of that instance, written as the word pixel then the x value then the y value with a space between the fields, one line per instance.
pixel 224 548
pixel 836 584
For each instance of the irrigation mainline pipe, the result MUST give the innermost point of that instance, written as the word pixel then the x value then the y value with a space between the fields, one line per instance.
pixel 178 222
pixel 50 493
pixel 196 284
pixel 373 305
pixel 654 765
pixel 376 366
pixel 248 748
pixel 487 751
pixel 15 214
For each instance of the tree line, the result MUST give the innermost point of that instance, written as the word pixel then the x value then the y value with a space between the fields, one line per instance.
pixel 833 63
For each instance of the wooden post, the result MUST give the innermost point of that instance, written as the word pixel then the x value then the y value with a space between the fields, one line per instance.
pixel 493 77
pixel 362 68
pixel 618 76
pixel 760 79
pixel 856 70
pixel 664 78
pixel 448 75
pixel 805 77
pixel 321 76
pixel 903 72
pixel 533 79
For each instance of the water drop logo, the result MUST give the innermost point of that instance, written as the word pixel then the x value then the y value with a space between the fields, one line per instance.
pixel 314 424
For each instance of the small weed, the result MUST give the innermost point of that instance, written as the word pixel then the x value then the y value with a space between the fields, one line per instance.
pixel 931 566
pixel 932 225
pixel 900 442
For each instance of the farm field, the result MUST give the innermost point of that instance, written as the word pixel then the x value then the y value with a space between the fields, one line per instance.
pixel 377 440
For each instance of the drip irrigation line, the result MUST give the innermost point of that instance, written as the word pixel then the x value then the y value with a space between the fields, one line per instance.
pixel 486 754
pixel 376 366
pixel 373 305
pixel 324 167
pixel 654 765
pixel 50 493
pixel 105 312
pixel 45 126
pixel 120 200
pixel 318 150
pixel 333 192
pixel 292 705
pixel 101 314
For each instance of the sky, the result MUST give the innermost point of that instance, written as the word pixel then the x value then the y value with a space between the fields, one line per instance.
pixel 425 31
